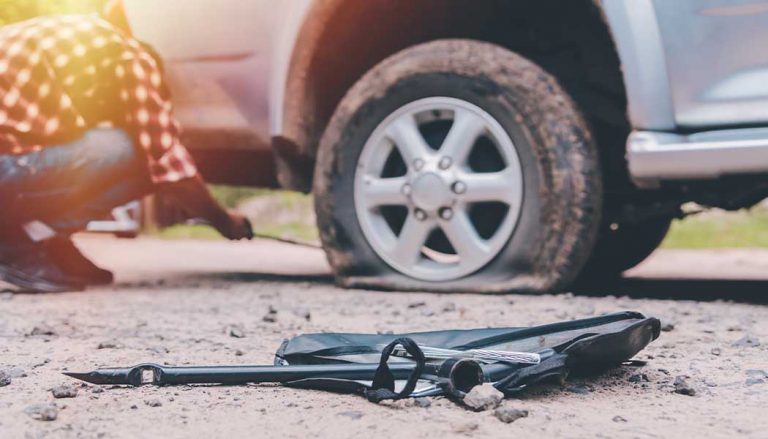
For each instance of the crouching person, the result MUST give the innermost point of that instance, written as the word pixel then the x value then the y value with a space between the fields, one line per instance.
pixel 86 125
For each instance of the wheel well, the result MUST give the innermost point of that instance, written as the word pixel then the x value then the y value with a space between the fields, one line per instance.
pixel 343 39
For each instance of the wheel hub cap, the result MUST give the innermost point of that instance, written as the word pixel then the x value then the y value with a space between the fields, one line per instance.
pixel 431 192
pixel 458 174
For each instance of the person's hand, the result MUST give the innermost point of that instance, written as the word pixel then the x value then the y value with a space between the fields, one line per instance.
pixel 236 227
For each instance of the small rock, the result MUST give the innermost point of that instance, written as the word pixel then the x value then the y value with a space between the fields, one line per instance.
pixel 5 378
pixel 134 407
pixel 272 310
pixel 484 397
pixel 352 414
pixel 580 389
pixel 467 428
pixel 43 412
pixel 17 372
pixel 509 415
pixel 716 352
pixel 639 378
pixel 668 327
pixel 682 387
pixel 414 305
pixel 748 341
pixel 619 419
pixel 422 402
pixel 449 307
pixel 153 402
pixel 112 344
pixel 236 331
pixel 269 318
pixel 239 353
pixel 42 329
pixel 64 391
pixel 754 381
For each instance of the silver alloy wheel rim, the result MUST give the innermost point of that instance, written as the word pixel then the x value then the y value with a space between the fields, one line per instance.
pixel 439 189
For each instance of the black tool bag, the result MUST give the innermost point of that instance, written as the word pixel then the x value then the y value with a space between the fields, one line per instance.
pixel 579 346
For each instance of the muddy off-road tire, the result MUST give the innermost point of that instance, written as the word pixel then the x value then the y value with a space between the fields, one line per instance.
pixel 534 235
pixel 620 247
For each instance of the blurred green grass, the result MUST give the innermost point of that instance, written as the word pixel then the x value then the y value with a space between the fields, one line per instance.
pixel 278 214
pixel 717 229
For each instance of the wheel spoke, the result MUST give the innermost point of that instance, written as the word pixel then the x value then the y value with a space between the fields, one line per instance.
pixel 407 249
pixel 464 238
pixel 496 186
pixel 466 128
pixel 384 191
pixel 404 132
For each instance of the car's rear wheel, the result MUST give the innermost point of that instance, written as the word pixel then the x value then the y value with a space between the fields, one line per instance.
pixel 457 165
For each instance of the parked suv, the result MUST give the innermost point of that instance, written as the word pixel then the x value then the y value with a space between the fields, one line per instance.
pixel 495 145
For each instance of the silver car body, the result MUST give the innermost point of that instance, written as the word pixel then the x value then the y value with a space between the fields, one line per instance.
pixel 695 71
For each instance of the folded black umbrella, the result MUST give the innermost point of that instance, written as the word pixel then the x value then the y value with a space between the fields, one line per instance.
pixel 579 346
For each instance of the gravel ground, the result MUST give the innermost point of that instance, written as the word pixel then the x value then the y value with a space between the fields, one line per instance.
pixel 176 303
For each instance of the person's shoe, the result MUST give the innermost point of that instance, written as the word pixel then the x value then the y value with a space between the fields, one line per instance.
pixel 72 262
pixel 30 268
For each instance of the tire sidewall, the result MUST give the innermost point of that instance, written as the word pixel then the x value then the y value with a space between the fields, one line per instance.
pixel 531 253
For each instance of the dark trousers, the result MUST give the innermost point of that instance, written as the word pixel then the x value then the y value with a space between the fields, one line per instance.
pixel 67 186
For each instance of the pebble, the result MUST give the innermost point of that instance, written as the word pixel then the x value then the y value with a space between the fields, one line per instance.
pixel 716 352
pixel 422 402
pixel 239 353
pixel 110 345
pixel 236 331
pixel 352 414
pixel 619 419
pixel 153 402
pixel 484 397
pixel 414 305
pixel 682 387
pixel 509 415
pixel 467 428
pixel 43 412
pixel 639 378
pixel 5 378
pixel 581 389
pixel 668 327
pixel 748 341
pixel 269 318
pixel 42 329
pixel 64 391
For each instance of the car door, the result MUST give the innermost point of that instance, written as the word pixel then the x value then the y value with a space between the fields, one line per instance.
pixel 717 59
pixel 217 55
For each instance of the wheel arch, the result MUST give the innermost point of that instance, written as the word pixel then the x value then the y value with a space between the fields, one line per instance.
pixel 340 40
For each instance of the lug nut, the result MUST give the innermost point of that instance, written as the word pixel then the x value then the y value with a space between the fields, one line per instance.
pixel 420 215
pixel 418 164
pixel 446 213
pixel 445 163
pixel 407 190
pixel 459 188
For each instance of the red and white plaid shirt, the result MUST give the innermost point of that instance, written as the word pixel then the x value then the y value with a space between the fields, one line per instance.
pixel 61 76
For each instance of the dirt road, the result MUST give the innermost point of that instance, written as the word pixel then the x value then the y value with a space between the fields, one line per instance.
pixel 174 302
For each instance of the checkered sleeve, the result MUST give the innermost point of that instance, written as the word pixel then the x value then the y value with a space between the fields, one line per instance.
pixel 61 76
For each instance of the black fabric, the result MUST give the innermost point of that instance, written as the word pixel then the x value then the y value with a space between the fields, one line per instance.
pixel 383 387
pixel 579 346
pixel 384 382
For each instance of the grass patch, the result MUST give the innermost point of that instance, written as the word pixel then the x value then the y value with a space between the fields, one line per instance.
pixel 277 214
pixel 718 229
